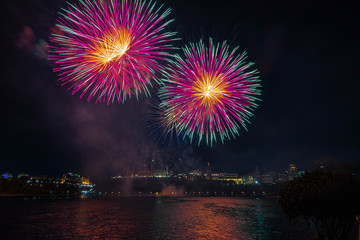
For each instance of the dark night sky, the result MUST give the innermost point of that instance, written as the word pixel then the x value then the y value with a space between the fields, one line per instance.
pixel 307 54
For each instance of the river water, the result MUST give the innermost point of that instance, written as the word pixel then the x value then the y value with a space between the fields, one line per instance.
pixel 148 218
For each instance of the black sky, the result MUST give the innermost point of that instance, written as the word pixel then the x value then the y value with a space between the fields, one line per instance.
pixel 307 53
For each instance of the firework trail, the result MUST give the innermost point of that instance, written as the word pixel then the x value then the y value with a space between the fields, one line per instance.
pixel 211 91
pixel 160 123
pixel 110 50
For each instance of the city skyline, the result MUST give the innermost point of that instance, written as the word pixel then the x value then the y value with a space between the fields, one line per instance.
pixel 256 177
pixel 160 170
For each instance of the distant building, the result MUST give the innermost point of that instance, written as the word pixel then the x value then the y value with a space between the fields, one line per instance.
pixel 219 176
pixel 70 178
pixel 249 180
pixel 41 177
pixel 281 177
pixel 182 175
pixel 6 175
pixel 215 176
pixel 237 180
pixel 228 175
pixel 75 178
pixel 268 178
pixel 292 168
pixel 292 172
pixel 252 178
pixel 194 175
pixel 85 181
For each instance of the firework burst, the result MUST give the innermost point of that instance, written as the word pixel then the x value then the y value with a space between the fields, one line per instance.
pixel 211 92
pixel 110 50
pixel 160 123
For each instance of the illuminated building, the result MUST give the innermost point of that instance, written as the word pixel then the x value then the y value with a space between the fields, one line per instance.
pixel 252 178
pixel 301 173
pixel 249 180
pixel 227 177
pixel 292 168
pixel 70 177
pixel 236 180
pixel 6 175
pixel 74 178
pixel 182 175
pixel 292 172
pixel 194 175
pixel 85 181
pixel 215 176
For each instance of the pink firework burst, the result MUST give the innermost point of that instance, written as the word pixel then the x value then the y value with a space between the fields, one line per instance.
pixel 211 92
pixel 110 49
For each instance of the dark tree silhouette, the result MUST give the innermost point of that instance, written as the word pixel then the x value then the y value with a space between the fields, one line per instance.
pixel 331 201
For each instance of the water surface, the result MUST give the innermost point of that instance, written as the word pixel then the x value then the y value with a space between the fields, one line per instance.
pixel 148 218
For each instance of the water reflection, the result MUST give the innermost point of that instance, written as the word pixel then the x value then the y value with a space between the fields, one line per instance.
pixel 149 218
pixel 261 231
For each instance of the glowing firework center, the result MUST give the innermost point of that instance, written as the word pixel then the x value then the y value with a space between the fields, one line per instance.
pixel 111 48
pixel 209 89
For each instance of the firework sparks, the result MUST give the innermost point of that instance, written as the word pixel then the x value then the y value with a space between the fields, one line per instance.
pixel 111 49
pixel 213 91
pixel 161 123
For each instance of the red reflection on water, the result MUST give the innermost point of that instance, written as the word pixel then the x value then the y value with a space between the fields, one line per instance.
pixel 150 218
pixel 198 220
